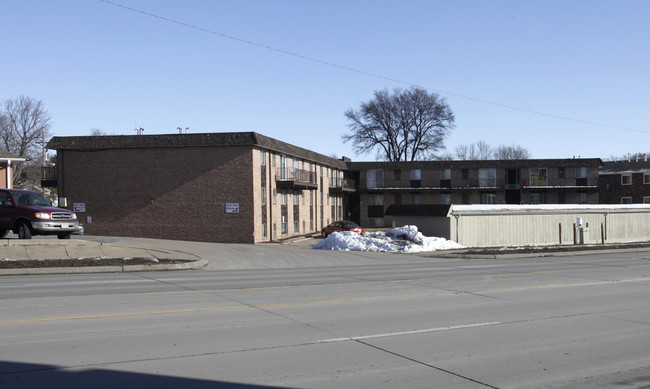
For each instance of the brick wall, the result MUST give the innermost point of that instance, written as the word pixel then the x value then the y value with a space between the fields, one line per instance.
pixel 166 193
pixel 612 190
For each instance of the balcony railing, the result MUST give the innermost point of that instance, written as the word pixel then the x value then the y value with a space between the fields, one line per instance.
pixel 48 177
pixel 342 185
pixel 295 178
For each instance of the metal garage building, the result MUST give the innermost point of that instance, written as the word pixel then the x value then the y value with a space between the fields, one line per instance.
pixel 512 225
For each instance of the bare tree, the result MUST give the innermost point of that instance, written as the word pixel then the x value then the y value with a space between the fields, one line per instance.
pixel 405 125
pixel 511 152
pixel 24 125
pixel 97 132
pixel 480 150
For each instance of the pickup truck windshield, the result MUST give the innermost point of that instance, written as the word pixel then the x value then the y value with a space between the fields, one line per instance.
pixel 32 199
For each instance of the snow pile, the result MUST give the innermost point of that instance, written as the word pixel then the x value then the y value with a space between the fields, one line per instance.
pixel 405 239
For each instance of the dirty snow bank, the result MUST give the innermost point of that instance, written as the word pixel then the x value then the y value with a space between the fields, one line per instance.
pixel 405 239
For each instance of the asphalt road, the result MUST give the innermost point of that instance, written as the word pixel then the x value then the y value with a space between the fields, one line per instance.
pixel 394 322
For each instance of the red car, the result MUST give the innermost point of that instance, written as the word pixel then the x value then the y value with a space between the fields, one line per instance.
pixel 342 225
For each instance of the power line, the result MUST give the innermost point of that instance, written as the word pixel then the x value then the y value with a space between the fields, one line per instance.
pixel 375 75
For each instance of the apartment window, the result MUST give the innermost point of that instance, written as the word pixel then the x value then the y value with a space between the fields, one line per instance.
pixel 311 197
pixel 538 198
pixel 626 200
pixel 488 198
pixel 646 199
pixel 296 198
pixel 375 179
pixel 581 172
pixel 416 178
pixel 275 196
pixel 263 190
pixel 581 198
pixel 283 197
pixel 538 176
pixel 284 227
pixel 626 179
pixel 487 178
pixel 445 198
pixel 445 178
pixel 264 233
pixel 646 178
pixel 416 198
pixel 263 157
pixel 296 227
pixel 375 199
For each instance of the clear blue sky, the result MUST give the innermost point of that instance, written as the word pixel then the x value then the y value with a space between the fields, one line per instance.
pixel 99 66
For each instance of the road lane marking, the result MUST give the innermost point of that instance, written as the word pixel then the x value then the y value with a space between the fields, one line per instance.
pixel 319 302
pixel 414 332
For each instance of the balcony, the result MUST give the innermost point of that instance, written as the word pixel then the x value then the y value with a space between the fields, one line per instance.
pixel 295 178
pixel 48 177
pixel 345 185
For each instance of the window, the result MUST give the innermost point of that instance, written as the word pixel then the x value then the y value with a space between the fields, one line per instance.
pixel 275 196
pixel 416 198
pixel 445 198
pixel 538 176
pixel 487 178
pixel 284 228
pixel 646 199
pixel 263 195
pixel 375 199
pixel 375 179
pixel 296 197
pixel 646 178
pixel 296 226
pixel 581 198
pixel 445 174
pixel 263 157
pixel 626 179
pixel 488 198
pixel 581 172
pixel 416 178
pixel 283 197
pixel 626 200
pixel 264 233
pixel 538 198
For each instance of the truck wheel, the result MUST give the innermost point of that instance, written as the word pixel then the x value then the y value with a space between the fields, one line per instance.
pixel 24 232
pixel 64 236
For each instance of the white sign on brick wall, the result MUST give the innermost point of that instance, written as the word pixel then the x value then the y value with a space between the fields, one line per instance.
pixel 232 207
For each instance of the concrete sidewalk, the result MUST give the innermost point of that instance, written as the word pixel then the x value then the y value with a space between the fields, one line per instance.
pixel 46 248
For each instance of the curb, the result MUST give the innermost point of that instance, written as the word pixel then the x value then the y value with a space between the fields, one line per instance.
pixel 189 265
pixel 568 253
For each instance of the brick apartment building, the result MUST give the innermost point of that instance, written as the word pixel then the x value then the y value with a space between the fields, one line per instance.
pixel 529 181
pixel 625 182
pixel 244 187
pixel 217 187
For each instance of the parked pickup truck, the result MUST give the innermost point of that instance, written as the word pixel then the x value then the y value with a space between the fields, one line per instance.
pixel 28 213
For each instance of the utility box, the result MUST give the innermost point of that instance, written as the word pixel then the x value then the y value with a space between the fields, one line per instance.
pixel 583 235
